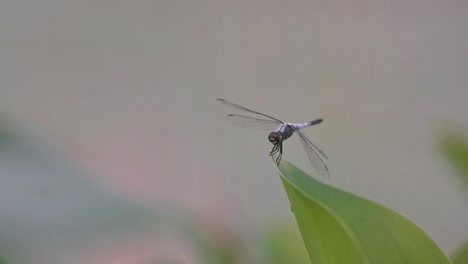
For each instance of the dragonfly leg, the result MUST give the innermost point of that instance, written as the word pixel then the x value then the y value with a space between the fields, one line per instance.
pixel 274 150
pixel 280 149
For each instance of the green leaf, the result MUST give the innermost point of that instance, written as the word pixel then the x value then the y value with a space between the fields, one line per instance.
pixel 339 227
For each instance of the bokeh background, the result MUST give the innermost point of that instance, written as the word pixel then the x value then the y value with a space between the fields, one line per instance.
pixel 114 150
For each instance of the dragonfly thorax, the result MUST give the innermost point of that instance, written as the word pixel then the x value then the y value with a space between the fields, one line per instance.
pixel 275 137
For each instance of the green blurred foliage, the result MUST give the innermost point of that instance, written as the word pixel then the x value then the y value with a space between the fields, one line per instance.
pixel 285 245
pixel 339 227
pixel 461 255
pixel 455 147
pixel 49 207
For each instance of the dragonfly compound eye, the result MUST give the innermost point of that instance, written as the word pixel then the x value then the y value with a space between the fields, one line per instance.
pixel 273 137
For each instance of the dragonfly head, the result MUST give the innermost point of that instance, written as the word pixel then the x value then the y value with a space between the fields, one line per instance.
pixel 275 138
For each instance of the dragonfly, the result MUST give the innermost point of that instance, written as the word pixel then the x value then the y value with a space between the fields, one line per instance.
pixel 283 131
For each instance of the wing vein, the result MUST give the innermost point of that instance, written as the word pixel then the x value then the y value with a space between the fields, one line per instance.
pixel 314 158
pixel 238 107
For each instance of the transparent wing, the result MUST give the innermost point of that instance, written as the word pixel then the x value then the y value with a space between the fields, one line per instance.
pixel 302 134
pixel 238 107
pixel 252 122
pixel 314 158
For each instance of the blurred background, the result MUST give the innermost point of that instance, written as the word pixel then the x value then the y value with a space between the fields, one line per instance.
pixel 113 148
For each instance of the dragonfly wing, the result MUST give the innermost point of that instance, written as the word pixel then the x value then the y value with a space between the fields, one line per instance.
pixel 252 122
pixel 238 107
pixel 302 134
pixel 314 158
